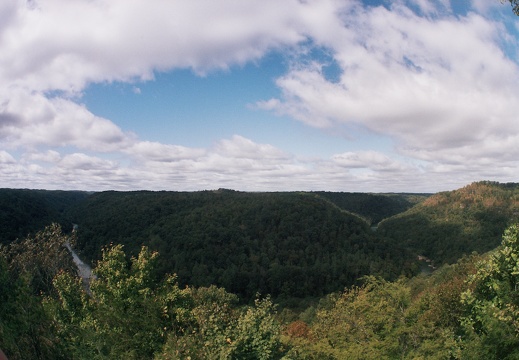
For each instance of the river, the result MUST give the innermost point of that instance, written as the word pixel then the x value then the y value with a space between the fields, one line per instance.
pixel 84 270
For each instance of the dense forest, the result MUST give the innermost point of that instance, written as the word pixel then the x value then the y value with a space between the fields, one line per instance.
pixel 373 208
pixel 292 245
pixel 232 275
pixel 288 245
pixel 27 211
pixel 450 224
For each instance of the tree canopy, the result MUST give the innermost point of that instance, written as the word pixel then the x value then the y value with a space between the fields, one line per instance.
pixel 450 224
pixel 289 245
pixel 468 309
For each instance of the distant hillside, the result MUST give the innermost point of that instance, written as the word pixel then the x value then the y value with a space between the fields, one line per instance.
pixel 450 224
pixel 284 244
pixel 290 245
pixel 26 211
pixel 373 207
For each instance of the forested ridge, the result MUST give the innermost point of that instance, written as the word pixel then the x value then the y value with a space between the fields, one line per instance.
pixel 24 211
pixel 449 224
pixel 288 245
pixel 232 275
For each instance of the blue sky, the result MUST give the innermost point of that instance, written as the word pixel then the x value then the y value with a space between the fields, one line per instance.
pixel 338 95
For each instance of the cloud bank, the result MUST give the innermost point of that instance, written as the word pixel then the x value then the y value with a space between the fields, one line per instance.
pixel 443 86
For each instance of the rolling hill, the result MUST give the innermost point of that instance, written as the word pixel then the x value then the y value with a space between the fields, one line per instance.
pixel 449 224
pixel 289 245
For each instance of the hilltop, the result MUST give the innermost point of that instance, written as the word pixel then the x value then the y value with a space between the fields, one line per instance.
pixel 449 224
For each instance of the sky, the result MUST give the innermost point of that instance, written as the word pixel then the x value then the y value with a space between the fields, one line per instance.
pixel 258 95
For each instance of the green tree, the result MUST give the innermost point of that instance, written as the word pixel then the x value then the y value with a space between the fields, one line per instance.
pixel 40 257
pixel 127 314
pixel 205 338
pixel 492 305
pixel 220 331
pixel 378 320
pixel 24 328
pixel 26 270
pixel 256 334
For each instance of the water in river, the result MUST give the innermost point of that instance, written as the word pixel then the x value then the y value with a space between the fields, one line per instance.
pixel 84 270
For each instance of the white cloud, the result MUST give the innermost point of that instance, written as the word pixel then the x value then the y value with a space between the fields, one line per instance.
pixel 157 166
pixel 31 119
pixel 64 45
pixel 52 49
pixel 239 147
pixel 439 86
pixel 485 6
pixel 81 161
pixel 49 156
pixel 154 151
pixel 210 169
pixel 6 158
pixel 372 160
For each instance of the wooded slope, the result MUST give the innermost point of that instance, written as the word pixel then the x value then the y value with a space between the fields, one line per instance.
pixel 289 245
pixel 450 224
pixel 24 211
pixel 373 207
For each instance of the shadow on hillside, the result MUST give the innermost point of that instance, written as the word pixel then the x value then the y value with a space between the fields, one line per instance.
pixel 443 242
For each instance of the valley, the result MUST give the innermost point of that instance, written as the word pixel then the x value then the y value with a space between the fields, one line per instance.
pixel 303 266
